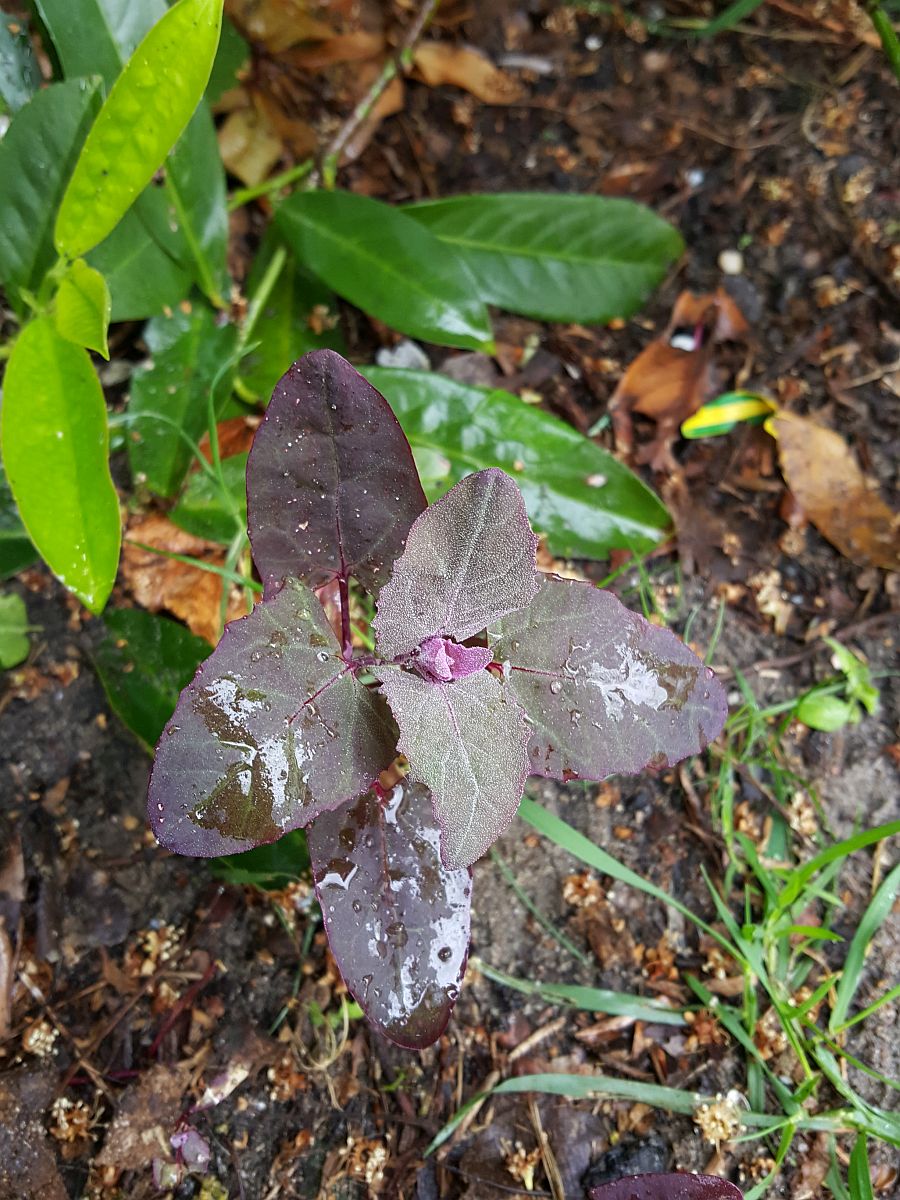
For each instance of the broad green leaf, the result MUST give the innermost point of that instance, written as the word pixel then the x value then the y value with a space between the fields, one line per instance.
pixel 13 630
pixel 231 55
pixel 466 742
pixel 19 74
pixel 16 549
pixel 205 512
pixel 143 278
pixel 823 711
pixel 36 158
pixel 55 442
pixel 188 351
pixel 556 257
pixel 469 560
pixel 83 307
pixel 139 123
pixel 271 867
pixel 583 499
pixel 97 36
pixel 388 265
pixel 144 662
pixel 273 730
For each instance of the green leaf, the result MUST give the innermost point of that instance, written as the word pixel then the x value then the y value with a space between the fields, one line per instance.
pixel 858 1177
pixel 16 550
pixel 142 278
pixel 55 443
pixel 556 257
pixel 728 17
pixel 388 265
pixel 143 663
pixel 271 867
pixel 13 627
pixel 820 710
pixel 139 123
pixel 97 36
pixel 189 350
pixel 582 498
pixel 872 919
pixel 205 512
pixel 231 55
pixel 19 74
pixel 36 158
pixel 83 307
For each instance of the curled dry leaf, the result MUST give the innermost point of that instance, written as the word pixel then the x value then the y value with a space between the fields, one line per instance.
pixel 463 67
pixel 159 583
pixel 249 145
pixel 277 25
pixel 839 499
pixel 358 46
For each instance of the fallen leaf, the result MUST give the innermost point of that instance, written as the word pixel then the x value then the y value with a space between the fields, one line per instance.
pixel 837 497
pixel 295 133
pixel 188 592
pixel 235 437
pixel 145 1118
pixel 391 100
pixel 277 24
pixel 27 1164
pixel 343 48
pixel 462 66
pixel 249 145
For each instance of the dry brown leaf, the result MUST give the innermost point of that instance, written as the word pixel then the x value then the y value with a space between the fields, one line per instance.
pixel 144 1120
pixel 828 484
pixel 249 145
pixel 391 100
pixel 297 135
pixel 343 48
pixel 464 67
pixel 188 592
pixel 235 437
pixel 277 24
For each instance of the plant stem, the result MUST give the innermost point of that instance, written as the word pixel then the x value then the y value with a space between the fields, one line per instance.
pixel 295 173
pixel 346 639
pixel 885 30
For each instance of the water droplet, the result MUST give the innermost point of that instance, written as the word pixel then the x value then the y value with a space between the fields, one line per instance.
pixel 452 993
pixel 445 953
pixel 556 687
pixel 322 656
pixel 356 906
pixel 574 716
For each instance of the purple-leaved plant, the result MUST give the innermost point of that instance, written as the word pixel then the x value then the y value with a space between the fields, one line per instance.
pixel 486 670
pixel 674 1185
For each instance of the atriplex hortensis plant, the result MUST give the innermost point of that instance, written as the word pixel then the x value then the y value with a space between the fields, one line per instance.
pixel 485 671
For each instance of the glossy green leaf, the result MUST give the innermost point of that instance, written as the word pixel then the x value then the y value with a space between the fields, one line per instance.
pixel 19 74
pixel 55 444
pixel 271 867
pixel 823 711
pixel 189 350
pixel 97 36
pixel 556 257
pixel 83 307
pixel 143 663
pixel 139 123
pixel 204 511
pixel 583 499
pixel 231 55
pixel 16 550
pixel 388 265
pixel 142 278
pixel 36 158
pixel 13 630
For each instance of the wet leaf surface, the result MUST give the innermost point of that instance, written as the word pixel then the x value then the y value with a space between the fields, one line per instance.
pixel 332 487
pixel 672 1186
pixel 606 692
pixel 397 919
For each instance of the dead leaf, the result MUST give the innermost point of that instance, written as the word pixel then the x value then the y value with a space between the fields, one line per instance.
pixel 249 145
pixel 277 24
pixel 27 1164
pixel 462 66
pixel 188 592
pixel 283 120
pixel 840 500
pixel 391 100
pixel 343 48
pixel 145 1118
pixel 235 437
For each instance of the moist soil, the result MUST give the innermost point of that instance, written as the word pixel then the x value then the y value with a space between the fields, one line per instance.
pixel 141 977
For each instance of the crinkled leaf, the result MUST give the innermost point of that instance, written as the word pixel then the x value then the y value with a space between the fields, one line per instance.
pixel 466 741
pixel 396 918
pixel 556 257
pixel 606 692
pixel 583 499
pixel 20 76
pixel 206 512
pixel 273 730
pixel 144 662
pixel 332 487
pixel 13 630
pixel 16 548
pixel 674 1186
pixel 469 559
pixel 83 307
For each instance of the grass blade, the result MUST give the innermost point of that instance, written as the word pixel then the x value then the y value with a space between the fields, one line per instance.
pixel 872 919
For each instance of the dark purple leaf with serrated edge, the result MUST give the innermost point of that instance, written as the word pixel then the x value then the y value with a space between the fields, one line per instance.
pixel 467 742
pixel 674 1186
pixel 469 559
pixel 273 730
pixel 607 692
pixel 332 488
pixel 396 918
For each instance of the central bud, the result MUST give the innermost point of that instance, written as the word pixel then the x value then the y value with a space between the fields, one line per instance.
pixel 442 660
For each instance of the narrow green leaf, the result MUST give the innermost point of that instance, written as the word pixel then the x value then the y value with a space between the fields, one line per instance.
pixel 556 257
pixel 83 306
pixel 143 279
pixel 872 919
pixel 19 74
pixel 55 442
pixel 13 630
pixel 206 512
pixel 143 663
pixel 16 550
pixel 139 123
pixel 388 265
pixel 728 17
pixel 802 874
pixel 188 350
pixel 36 158
pixel 582 498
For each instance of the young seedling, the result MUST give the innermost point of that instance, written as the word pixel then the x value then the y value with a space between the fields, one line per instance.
pixel 485 670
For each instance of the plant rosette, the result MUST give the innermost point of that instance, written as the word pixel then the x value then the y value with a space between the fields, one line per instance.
pixel 485 670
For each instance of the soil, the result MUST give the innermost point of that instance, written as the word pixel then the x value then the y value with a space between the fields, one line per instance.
pixel 773 143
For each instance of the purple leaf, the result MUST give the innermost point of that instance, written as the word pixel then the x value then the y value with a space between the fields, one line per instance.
pixel 273 730
pixel 606 692
pixel 466 741
pixel 441 660
pixel 397 920
pixel 469 559
pixel 673 1186
pixel 332 488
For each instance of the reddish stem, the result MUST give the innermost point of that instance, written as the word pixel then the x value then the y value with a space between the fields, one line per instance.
pixel 345 618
